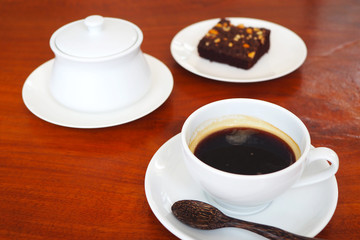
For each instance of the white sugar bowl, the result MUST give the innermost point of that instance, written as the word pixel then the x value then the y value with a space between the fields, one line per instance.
pixel 98 65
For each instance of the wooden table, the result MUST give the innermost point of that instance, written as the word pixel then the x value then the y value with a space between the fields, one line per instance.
pixel 69 183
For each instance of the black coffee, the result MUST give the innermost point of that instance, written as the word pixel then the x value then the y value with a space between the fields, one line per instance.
pixel 245 151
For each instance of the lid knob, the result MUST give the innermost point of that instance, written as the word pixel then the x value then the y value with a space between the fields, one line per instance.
pixel 94 23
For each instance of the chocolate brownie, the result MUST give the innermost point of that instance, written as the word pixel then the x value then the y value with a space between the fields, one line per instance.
pixel 238 46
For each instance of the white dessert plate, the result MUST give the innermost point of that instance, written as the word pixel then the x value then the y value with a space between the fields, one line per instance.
pixel 40 102
pixel 305 210
pixel 287 53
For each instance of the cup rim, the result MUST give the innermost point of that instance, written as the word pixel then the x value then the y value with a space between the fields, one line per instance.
pixel 213 170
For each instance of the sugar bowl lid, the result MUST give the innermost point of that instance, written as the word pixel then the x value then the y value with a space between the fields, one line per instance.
pixel 96 37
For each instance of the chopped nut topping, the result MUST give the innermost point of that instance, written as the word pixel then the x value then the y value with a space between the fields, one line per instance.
pixel 218 25
pixel 217 40
pixel 241 26
pixel 249 30
pixel 213 31
pixel 262 39
pixel 251 54
pixel 207 43
pixel 227 28
pixel 245 45
pixel 230 44
pixel 237 37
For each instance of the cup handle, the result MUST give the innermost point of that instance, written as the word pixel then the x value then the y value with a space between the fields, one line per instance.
pixel 316 154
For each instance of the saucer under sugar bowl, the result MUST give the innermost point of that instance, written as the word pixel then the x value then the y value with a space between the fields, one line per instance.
pixel 98 65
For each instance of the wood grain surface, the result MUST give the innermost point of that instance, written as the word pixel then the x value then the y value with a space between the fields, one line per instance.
pixel 67 183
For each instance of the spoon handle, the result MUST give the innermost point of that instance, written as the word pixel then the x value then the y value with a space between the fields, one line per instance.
pixel 265 230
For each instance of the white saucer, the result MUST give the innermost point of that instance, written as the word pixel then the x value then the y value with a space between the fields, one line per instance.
pixel 304 211
pixel 287 53
pixel 38 100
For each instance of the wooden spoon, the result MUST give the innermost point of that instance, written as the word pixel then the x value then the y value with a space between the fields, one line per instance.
pixel 204 216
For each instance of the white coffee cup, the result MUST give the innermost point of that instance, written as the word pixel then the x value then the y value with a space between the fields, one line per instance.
pixel 247 194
